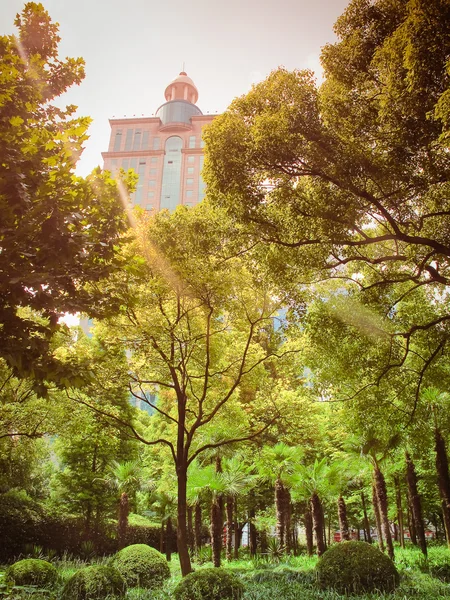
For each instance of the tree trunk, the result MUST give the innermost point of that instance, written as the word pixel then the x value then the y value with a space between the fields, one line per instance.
pixel 236 531
pixel 182 537
pixel 443 480
pixel 398 500
pixel 416 504
pixel 279 507
pixel 190 529
pixel 411 524
pixel 309 532
pixel 380 485
pixel 229 544
pixel 317 520
pixel 287 524
pixel 161 538
pixel 122 524
pixel 169 533
pixel 376 510
pixel 252 531
pixel 324 528
pixel 367 533
pixel 197 526
pixel 216 532
pixel 343 521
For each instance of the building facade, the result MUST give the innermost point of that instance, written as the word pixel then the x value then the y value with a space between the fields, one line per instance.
pixel 166 150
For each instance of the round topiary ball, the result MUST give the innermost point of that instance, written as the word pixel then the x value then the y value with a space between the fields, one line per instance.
pixel 32 571
pixel 209 584
pixel 141 566
pixel 354 567
pixel 94 583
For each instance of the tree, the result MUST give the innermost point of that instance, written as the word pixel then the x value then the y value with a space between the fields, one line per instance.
pixel 351 180
pixel 58 232
pixel 190 318
pixel 124 477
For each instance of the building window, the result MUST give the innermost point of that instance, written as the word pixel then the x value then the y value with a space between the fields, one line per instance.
pixel 144 140
pixel 133 164
pixel 154 159
pixel 149 206
pixel 189 193
pixel 152 171
pixel 125 163
pixel 150 194
pixel 170 189
pixel 202 143
pixel 189 181
pixel 137 139
pixel 192 141
pixel 191 158
pixel 190 170
pixel 156 143
pixel 152 183
pixel 117 141
pixel 128 139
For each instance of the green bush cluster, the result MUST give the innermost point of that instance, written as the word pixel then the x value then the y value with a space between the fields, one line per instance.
pixel 94 583
pixel 209 584
pixel 354 567
pixel 32 571
pixel 141 566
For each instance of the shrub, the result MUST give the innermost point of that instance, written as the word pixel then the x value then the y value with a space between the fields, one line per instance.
pixel 209 584
pixel 94 583
pixel 141 566
pixel 356 567
pixel 32 571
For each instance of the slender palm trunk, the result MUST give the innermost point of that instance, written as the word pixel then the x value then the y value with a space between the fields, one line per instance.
pixel 161 538
pixel 443 479
pixel 122 524
pixel 366 519
pixel 398 500
pixel 216 531
pixel 236 531
pixel 169 534
pixel 317 519
pixel 376 510
pixel 197 526
pixel 309 531
pixel 280 507
pixel 288 521
pixel 381 490
pixel 229 530
pixel 343 521
pixel 416 504
pixel 252 530
pixel 190 529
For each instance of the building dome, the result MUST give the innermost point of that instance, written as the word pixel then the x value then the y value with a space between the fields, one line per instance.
pixel 182 88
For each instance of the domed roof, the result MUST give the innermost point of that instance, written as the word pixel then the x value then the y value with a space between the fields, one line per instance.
pixel 182 87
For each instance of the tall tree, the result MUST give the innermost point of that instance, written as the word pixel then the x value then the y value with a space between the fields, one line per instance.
pixel 190 317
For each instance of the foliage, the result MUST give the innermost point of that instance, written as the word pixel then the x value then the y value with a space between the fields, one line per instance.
pixel 32 571
pixel 94 583
pixel 141 566
pixel 209 584
pixel 356 567
pixel 59 232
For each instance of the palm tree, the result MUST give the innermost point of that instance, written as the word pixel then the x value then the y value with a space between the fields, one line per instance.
pixel 163 506
pixel 277 465
pixel 437 401
pixel 314 481
pixel 125 477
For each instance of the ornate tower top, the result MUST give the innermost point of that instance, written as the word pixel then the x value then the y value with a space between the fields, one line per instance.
pixel 181 88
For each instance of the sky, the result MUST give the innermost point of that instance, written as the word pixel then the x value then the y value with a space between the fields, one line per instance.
pixel 134 49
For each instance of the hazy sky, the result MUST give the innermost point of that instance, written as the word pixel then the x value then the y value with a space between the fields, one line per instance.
pixel 134 49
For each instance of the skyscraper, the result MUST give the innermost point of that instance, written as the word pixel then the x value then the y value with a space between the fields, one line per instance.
pixel 166 150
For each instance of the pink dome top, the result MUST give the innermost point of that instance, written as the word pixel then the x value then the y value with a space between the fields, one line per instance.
pixel 182 88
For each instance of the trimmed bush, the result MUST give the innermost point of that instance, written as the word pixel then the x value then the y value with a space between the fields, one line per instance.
pixel 141 566
pixel 209 584
pixel 354 567
pixel 32 571
pixel 94 583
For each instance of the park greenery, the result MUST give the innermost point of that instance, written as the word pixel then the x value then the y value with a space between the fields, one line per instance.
pixel 268 371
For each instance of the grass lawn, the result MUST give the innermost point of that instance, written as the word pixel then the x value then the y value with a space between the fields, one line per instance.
pixel 292 579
